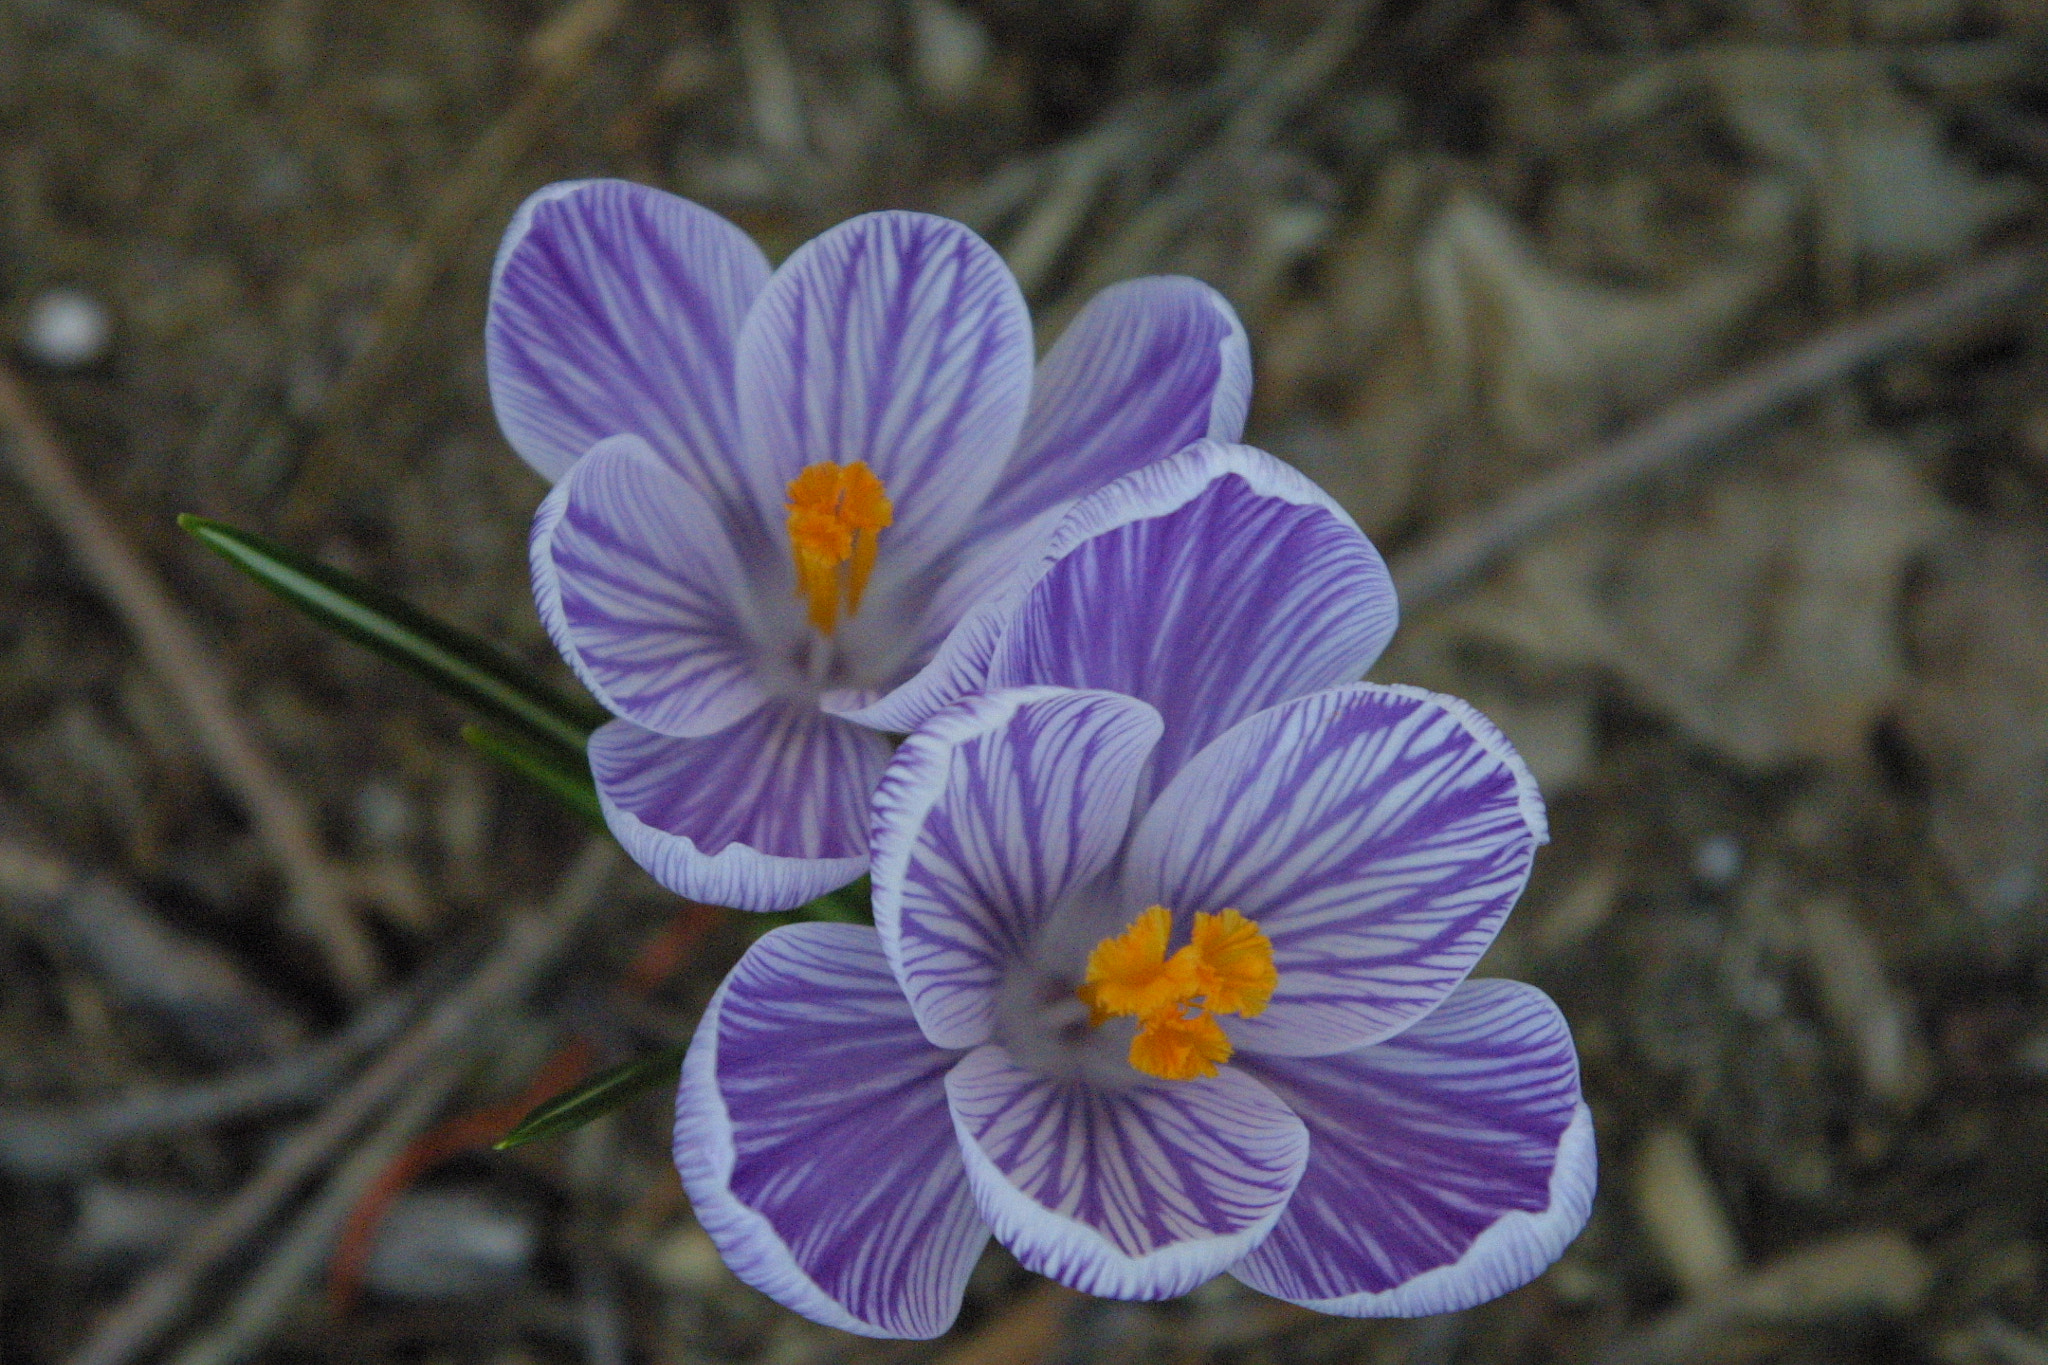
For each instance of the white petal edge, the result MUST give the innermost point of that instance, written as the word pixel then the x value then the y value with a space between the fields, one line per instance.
pixel 1528 797
pixel 1039 1237
pixel 962 662
pixel 706 1173
pixel 1514 1251
pixel 736 876
pixel 911 787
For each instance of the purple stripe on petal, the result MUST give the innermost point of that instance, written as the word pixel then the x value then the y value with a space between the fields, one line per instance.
pixel 813 1138
pixel 1149 367
pixel 1142 1192
pixel 762 816
pixel 643 583
pixel 1212 585
pixel 547 587
pixel 615 309
pixel 1447 1165
pixel 986 818
pixel 900 340
pixel 1378 835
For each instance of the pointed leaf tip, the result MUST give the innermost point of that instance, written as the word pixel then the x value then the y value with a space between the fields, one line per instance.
pixel 467 668
pixel 594 1098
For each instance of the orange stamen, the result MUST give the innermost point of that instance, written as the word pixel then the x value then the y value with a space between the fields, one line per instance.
pixel 1227 968
pixel 1180 1047
pixel 836 514
pixel 1236 974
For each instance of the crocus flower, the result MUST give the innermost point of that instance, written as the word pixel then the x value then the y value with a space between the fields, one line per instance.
pixel 778 492
pixel 1168 973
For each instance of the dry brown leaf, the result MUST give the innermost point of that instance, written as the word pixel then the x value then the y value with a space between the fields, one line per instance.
pixel 1759 613
pixel 1550 357
pixel 1977 714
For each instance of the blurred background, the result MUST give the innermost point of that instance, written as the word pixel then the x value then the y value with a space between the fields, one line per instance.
pixel 279 956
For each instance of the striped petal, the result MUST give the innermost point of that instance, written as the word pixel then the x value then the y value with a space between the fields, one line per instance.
pixel 765 815
pixel 616 309
pixel 813 1138
pixel 900 340
pixel 987 817
pixel 1149 367
pixel 1211 584
pixel 1446 1166
pixel 1141 1192
pixel 639 585
pixel 1378 835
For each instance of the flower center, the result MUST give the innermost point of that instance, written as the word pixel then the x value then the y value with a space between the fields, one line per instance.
pixel 1227 968
pixel 835 513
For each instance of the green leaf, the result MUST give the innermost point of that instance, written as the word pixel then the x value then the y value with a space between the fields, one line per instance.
pixel 567 781
pixel 850 904
pixel 460 664
pixel 595 1098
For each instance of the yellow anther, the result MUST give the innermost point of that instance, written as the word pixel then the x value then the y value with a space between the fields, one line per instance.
pixel 1227 968
pixel 1178 1047
pixel 1234 964
pixel 835 514
pixel 1130 972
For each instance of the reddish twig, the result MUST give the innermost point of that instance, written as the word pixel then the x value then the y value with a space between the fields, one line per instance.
pixel 659 959
pixel 529 947
pixel 319 904
pixel 477 1129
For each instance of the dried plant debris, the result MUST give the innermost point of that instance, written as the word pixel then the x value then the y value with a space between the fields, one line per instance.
pixel 1551 359
pixel 1759 612
pixel 1977 714
pixel 1790 716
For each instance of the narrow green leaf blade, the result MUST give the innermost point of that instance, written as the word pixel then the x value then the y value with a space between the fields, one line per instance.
pixel 850 904
pixel 595 1098
pixel 460 664
pixel 567 781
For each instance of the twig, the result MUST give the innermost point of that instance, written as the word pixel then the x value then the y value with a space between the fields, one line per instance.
pixel 319 906
pixel 1279 94
pixel 560 53
pixel 54 1141
pixel 657 960
pixel 526 950
pixel 271 1292
pixel 356 1234
pixel 1854 1273
pixel 1453 560
pixel 593 1160
pixel 1082 167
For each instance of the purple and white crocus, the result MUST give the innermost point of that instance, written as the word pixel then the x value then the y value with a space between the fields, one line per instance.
pixel 778 492
pixel 1168 722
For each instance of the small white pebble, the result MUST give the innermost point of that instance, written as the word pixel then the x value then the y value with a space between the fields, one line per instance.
pixel 1717 860
pixel 67 329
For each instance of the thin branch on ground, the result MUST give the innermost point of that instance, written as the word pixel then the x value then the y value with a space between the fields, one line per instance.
pixel 269 1295
pixel 356 1233
pixel 319 904
pixel 1259 115
pixel 659 958
pixel 1690 431
pixel 48 1140
pixel 560 55
pixel 527 949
